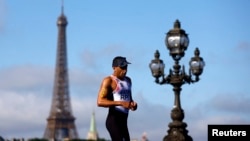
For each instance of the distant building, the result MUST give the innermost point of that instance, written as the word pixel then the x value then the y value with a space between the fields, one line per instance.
pixel 144 137
pixel 92 134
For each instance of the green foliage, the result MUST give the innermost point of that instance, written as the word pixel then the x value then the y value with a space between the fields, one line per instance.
pixel 37 139
pixel 42 139
pixel 89 140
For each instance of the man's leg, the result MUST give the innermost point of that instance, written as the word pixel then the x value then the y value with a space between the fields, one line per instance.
pixel 113 129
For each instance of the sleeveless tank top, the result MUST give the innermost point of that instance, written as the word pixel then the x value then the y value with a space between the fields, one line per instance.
pixel 122 92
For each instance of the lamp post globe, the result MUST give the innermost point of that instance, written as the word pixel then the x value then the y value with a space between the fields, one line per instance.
pixel 157 66
pixel 177 41
pixel 196 63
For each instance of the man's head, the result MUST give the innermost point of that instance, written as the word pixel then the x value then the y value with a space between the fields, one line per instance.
pixel 120 61
pixel 119 65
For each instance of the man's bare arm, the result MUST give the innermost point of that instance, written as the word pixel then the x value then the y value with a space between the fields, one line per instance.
pixel 105 89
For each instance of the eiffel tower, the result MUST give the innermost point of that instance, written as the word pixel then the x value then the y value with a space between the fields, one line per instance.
pixel 60 123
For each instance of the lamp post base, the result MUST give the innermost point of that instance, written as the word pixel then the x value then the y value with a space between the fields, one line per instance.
pixel 177 129
pixel 177 134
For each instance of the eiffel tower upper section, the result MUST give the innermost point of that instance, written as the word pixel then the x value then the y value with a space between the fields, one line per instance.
pixel 60 123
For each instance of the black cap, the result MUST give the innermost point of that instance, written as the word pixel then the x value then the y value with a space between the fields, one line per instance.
pixel 120 61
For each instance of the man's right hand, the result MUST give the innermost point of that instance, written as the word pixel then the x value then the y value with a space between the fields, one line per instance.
pixel 133 106
pixel 126 104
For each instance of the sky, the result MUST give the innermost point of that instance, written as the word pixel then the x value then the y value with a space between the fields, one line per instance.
pixel 97 31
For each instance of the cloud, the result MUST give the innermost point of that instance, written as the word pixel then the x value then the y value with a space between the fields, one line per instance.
pixel 150 118
pixel 94 60
pixel 25 77
pixel 21 113
pixel 243 46
pixel 2 15
pixel 24 107
pixel 26 94
pixel 227 108
pixel 231 103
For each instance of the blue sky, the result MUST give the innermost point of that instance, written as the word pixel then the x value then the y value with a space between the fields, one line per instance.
pixel 100 30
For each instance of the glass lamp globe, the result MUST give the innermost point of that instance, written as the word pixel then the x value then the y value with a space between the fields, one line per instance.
pixel 157 66
pixel 177 41
pixel 196 63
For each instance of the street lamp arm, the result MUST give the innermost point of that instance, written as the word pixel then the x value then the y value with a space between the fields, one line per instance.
pixel 163 80
pixel 189 79
pixel 197 78
pixel 177 76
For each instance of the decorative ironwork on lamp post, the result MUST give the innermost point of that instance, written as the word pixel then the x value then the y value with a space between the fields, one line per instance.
pixel 177 42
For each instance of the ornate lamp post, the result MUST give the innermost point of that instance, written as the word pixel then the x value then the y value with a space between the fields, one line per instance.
pixel 177 42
